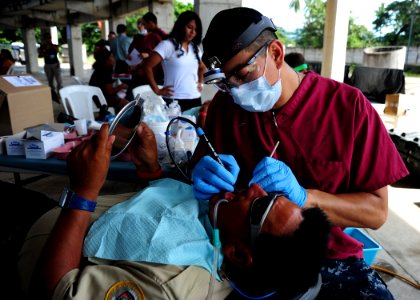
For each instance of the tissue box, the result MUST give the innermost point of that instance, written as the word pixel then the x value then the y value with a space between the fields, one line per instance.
pixel 14 143
pixel 370 246
pixel 41 146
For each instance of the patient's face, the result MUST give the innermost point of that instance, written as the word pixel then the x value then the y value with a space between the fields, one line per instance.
pixel 233 217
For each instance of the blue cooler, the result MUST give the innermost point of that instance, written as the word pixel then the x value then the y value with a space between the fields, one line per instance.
pixel 370 246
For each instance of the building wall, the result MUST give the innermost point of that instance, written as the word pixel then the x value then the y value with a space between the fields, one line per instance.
pixel 353 55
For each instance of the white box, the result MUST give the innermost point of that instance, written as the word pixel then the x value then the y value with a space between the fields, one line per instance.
pixel 14 143
pixel 2 145
pixel 32 131
pixel 41 146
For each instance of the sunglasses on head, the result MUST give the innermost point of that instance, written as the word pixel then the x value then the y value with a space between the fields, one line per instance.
pixel 260 208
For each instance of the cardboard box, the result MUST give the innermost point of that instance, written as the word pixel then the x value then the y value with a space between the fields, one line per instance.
pixel 14 143
pixel 24 102
pixel 40 144
pixel 397 104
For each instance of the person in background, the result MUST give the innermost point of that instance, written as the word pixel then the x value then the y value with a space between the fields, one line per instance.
pixel 138 39
pixel 317 141
pixel 6 61
pixel 111 35
pixel 49 52
pixel 296 60
pixel 119 47
pixel 154 34
pixel 102 78
pixel 180 56
pixel 99 45
pixel 202 113
pixel 270 245
pixel 145 46
pixel 138 77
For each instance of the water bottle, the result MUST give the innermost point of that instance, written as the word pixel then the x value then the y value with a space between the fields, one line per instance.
pixel 173 110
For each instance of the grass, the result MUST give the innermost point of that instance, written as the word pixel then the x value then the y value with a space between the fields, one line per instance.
pixel 411 74
pixel 412 71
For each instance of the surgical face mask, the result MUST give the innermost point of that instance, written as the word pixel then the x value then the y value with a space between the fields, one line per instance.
pixel 257 95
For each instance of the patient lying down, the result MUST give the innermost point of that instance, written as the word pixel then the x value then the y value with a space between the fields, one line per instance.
pixel 157 243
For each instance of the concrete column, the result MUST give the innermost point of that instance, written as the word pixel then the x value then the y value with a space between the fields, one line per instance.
pixel 76 55
pixel 335 39
pixel 31 51
pixel 104 29
pixel 207 9
pixel 115 21
pixel 164 11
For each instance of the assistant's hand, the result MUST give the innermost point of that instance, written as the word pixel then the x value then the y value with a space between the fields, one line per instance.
pixel 143 150
pixel 273 175
pixel 166 91
pixel 88 163
pixel 210 177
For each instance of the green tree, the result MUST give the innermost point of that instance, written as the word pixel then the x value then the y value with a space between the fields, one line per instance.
pixel 395 22
pixel 359 36
pixel 90 35
pixel 180 7
pixel 296 5
pixel 312 33
pixel 131 21
pixel 284 37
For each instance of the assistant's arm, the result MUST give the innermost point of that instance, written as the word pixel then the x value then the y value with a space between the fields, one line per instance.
pixel 362 209
pixel 201 70
pixel 149 64
pixel 87 167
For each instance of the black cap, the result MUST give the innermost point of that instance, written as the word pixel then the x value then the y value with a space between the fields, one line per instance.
pixel 225 41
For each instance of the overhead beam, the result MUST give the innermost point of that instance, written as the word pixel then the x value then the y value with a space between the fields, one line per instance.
pixel 125 7
pixel 100 9
pixel 57 16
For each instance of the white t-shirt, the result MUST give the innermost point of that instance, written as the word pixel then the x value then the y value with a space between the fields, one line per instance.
pixel 180 72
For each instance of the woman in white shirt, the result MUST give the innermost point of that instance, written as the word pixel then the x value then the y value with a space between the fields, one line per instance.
pixel 180 56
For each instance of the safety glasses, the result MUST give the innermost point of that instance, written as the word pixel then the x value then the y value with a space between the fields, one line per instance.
pixel 232 80
pixel 260 208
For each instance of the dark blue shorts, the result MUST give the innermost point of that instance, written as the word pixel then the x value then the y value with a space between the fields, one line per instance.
pixel 351 279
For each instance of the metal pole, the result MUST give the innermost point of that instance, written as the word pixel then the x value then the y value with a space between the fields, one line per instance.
pixel 409 38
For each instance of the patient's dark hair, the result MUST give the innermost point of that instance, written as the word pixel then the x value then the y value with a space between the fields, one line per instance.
pixel 289 265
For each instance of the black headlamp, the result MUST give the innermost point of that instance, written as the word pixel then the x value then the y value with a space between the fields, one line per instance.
pixel 215 74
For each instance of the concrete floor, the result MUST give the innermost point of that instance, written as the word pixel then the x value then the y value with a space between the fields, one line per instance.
pixel 399 237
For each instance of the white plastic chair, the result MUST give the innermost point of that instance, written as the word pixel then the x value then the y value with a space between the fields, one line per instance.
pixel 77 79
pixel 78 101
pixel 147 93
pixel 11 70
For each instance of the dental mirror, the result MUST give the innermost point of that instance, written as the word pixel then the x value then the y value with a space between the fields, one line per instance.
pixel 124 126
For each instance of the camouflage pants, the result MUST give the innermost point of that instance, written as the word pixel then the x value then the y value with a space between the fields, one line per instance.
pixel 351 279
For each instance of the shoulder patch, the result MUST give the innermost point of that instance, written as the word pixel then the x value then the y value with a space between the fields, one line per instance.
pixel 124 290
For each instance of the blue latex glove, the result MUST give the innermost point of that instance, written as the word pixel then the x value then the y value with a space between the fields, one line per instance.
pixel 273 175
pixel 210 177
